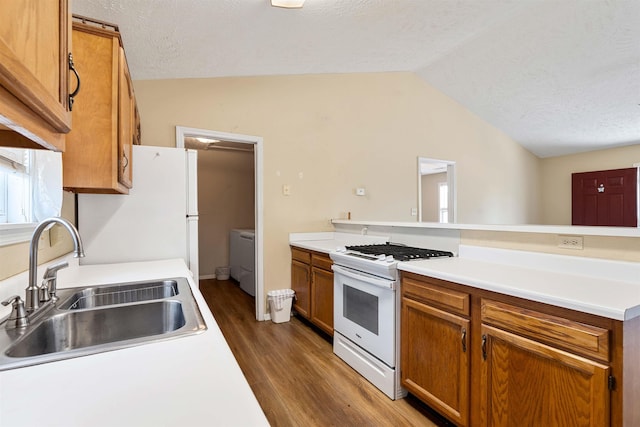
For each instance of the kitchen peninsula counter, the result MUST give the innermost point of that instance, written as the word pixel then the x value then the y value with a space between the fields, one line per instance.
pixel 604 288
pixel 193 380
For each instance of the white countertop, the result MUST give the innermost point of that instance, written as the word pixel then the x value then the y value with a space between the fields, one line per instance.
pixel 326 242
pixel 605 288
pixel 187 381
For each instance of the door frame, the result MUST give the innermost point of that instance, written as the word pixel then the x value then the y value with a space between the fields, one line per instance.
pixel 257 141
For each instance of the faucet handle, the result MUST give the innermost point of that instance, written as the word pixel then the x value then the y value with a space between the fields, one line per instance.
pixel 50 281
pixel 18 317
pixel 11 299
pixel 52 270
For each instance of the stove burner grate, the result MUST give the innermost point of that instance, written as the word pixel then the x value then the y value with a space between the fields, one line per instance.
pixel 399 252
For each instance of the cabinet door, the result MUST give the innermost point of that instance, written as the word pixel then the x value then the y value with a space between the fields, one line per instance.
pixel 524 382
pixel 126 123
pixel 301 284
pixel 435 359
pixel 34 76
pixel 322 297
pixel 98 154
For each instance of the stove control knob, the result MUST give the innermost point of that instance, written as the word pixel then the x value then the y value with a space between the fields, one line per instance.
pixel 389 258
pixel 381 257
pixel 341 249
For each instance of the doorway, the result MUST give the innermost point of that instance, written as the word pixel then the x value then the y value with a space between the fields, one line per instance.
pixel 605 198
pixel 244 144
pixel 436 190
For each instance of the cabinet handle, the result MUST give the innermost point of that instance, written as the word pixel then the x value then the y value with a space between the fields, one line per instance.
pixel 464 340
pixel 73 94
pixel 484 347
pixel 124 156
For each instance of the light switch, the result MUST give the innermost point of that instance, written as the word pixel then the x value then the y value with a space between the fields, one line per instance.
pixel 286 190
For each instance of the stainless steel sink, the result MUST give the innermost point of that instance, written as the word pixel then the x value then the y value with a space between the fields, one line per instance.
pixel 98 296
pixel 96 319
pixel 80 329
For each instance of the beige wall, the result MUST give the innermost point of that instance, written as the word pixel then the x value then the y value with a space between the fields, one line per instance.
pixel 325 135
pixel 555 177
pixel 225 201
pixel 431 196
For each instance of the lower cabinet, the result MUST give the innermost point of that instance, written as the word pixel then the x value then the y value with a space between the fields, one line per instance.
pixel 301 284
pixel 485 359
pixel 435 356
pixel 312 280
pixel 524 381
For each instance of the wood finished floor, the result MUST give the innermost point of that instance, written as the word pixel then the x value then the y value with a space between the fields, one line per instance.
pixel 295 375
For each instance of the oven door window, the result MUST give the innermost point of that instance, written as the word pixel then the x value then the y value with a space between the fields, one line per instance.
pixel 361 308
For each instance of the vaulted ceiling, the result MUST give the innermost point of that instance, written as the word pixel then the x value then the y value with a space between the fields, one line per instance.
pixel 558 76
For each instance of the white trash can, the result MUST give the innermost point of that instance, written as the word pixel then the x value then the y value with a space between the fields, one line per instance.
pixel 222 273
pixel 280 304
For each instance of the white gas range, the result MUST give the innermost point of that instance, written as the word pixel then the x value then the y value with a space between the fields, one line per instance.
pixel 367 310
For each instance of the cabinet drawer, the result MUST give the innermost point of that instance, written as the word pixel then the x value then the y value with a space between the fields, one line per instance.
pixel 321 261
pixel 578 337
pixel 454 301
pixel 300 255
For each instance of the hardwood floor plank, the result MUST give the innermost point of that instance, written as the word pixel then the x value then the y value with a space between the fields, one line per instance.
pixel 295 375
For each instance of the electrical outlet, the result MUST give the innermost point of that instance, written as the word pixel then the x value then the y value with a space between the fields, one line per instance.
pixel 286 190
pixel 570 242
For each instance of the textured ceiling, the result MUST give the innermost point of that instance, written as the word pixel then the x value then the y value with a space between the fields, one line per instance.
pixel 558 76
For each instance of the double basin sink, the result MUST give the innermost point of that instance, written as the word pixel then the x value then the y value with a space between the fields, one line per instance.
pixel 102 318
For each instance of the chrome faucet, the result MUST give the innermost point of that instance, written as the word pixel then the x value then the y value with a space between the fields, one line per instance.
pixel 32 300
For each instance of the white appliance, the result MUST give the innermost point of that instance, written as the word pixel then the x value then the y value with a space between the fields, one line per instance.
pixel 366 311
pixel 242 258
pixel 158 219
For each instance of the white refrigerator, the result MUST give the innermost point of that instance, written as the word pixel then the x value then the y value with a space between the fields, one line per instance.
pixel 158 219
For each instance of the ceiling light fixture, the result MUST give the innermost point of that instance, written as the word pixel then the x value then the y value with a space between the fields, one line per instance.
pixel 207 140
pixel 289 4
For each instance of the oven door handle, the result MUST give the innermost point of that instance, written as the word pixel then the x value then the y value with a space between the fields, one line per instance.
pixel 382 283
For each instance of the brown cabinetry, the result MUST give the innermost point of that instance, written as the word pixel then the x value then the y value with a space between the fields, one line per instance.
pixel 301 281
pixel 312 280
pixel 435 357
pixel 526 381
pixel 99 147
pixel 34 73
pixel 482 358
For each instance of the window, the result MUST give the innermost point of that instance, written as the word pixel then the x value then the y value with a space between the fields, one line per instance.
pixel 15 186
pixel 443 198
pixel 30 191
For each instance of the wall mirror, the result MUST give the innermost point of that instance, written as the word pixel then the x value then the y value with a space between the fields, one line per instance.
pixel 436 190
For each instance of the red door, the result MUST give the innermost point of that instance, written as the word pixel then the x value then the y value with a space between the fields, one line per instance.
pixel 607 198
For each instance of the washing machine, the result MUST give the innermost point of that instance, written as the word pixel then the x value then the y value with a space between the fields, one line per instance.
pixel 242 258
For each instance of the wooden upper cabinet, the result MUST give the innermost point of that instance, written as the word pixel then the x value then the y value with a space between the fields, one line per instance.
pixel 98 154
pixel 127 123
pixel 34 73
